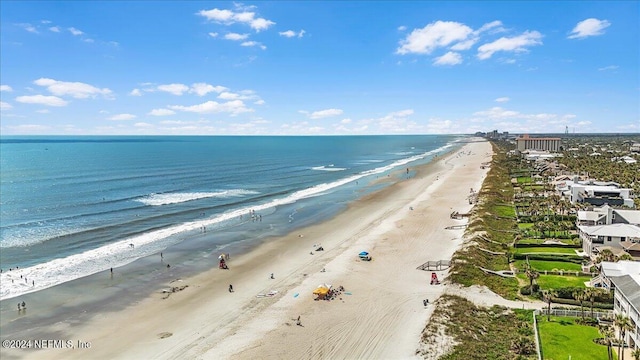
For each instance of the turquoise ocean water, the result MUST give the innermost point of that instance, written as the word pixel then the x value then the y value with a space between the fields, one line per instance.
pixel 75 206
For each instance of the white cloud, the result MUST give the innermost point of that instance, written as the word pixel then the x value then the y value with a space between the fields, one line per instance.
pixel 589 27
pixel 54 29
pixel 236 36
pixel 5 105
pixel 253 43
pixel 42 100
pixel 43 111
pixel 497 113
pixel 30 28
pixel 325 113
pixel 228 96
pixel 213 34
pixel 450 58
pixel 175 89
pixel 77 90
pixel 242 95
pixel 259 102
pixel 202 89
pixel 490 25
pixel 291 33
pixel 502 99
pixel 260 24
pixel 75 31
pixel 435 35
pixel 229 17
pixel 610 67
pixel 122 117
pixel 516 44
pixel 464 45
pixel 6 88
pixel 161 112
pixel 233 107
pixel 88 40
pixel 135 92
pixel 402 28
pixel 143 125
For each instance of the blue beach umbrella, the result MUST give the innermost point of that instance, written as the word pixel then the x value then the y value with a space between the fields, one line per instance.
pixel 364 253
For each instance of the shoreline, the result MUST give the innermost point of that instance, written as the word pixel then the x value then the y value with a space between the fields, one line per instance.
pixel 204 319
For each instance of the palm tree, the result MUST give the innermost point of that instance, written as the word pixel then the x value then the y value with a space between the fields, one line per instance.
pixel 605 255
pixel 532 275
pixel 548 296
pixel 623 324
pixel 580 296
pixel 591 294
pixel 608 335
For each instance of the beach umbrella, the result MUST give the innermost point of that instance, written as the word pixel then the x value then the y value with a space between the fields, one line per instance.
pixel 363 253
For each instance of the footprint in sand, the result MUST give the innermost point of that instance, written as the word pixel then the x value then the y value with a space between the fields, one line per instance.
pixel 164 335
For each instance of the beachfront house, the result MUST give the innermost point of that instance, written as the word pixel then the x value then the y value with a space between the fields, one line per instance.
pixel 596 193
pixel 623 277
pixel 616 237
pixel 606 215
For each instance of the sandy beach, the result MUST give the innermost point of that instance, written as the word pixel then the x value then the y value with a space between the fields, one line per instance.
pixel 379 315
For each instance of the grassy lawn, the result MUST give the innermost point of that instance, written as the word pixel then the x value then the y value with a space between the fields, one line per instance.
pixel 561 338
pixel 557 281
pixel 541 265
pixel 555 250
pixel 505 211
pixel 524 180
pixel 525 225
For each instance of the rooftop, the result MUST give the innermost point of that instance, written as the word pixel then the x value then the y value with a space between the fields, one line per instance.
pixel 617 230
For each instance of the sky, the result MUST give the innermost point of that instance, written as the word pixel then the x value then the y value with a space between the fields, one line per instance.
pixel 318 68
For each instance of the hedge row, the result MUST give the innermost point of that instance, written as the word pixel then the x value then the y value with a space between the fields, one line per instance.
pixel 585 304
pixel 549 257
pixel 570 246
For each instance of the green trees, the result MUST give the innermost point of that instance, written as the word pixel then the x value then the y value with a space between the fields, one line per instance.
pixel 623 324
pixel 580 296
pixel 608 335
pixel 532 275
pixel 548 296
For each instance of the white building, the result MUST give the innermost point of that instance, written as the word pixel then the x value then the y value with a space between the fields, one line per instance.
pixel 624 278
pixel 528 143
pixel 614 236
pixel 606 215
pixel 596 193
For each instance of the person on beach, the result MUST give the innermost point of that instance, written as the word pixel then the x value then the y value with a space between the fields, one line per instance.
pixel 230 288
pixel 19 307
pixel 272 275
pixel 111 270
pixel 24 305
pixel 298 321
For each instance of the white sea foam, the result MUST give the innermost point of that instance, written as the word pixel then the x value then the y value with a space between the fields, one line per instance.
pixel 328 168
pixel 176 198
pixel 121 253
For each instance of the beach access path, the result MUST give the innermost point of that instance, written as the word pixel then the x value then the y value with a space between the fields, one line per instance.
pixel 402 226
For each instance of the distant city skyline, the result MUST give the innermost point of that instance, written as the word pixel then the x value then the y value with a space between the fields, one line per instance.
pixel 318 68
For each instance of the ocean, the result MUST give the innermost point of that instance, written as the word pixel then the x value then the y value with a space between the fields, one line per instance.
pixel 72 206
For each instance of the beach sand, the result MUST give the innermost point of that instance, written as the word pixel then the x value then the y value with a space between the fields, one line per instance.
pixel 382 316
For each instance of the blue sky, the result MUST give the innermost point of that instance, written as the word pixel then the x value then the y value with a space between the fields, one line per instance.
pixel 218 68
